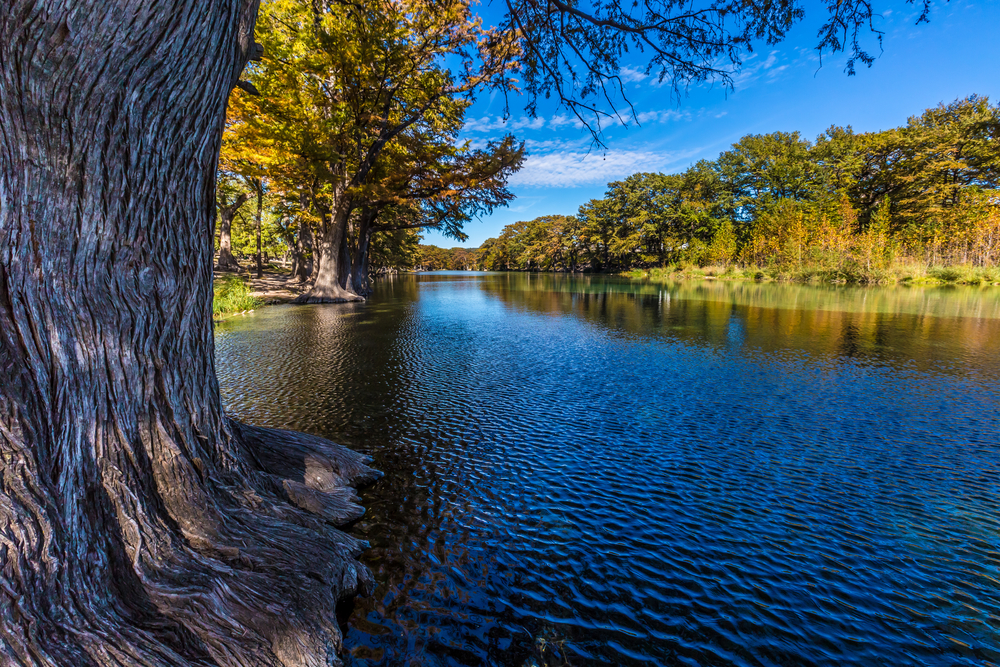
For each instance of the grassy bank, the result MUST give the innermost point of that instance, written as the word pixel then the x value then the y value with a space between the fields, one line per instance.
pixel 232 296
pixel 910 274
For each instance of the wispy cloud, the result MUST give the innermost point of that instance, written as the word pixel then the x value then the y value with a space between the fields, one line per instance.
pixel 524 204
pixel 661 116
pixel 562 120
pixel 494 123
pixel 632 75
pixel 563 169
pixel 579 144
pixel 766 70
pixel 559 121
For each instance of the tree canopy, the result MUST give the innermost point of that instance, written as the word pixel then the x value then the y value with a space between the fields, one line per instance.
pixel 353 116
pixel 928 191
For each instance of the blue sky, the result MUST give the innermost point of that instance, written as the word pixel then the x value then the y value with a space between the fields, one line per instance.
pixel 779 88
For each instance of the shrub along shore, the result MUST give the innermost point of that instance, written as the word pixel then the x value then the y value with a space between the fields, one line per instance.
pixel 906 274
pixel 232 296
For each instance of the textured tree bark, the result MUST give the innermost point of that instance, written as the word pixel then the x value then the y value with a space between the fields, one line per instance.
pixel 358 279
pixel 138 524
pixel 346 254
pixel 328 252
pixel 259 190
pixel 227 211
pixel 314 264
pixel 303 243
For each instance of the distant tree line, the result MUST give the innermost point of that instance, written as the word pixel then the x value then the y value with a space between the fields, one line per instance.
pixel 849 203
pixel 432 258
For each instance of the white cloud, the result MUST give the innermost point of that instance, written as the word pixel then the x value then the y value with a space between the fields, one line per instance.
pixel 773 73
pixel 484 124
pixel 559 144
pixel 631 74
pixel 562 120
pixel 661 116
pixel 494 123
pixel 647 117
pixel 478 144
pixel 751 71
pixel 573 169
pixel 527 123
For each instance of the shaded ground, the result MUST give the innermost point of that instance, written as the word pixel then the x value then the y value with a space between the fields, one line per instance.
pixel 274 287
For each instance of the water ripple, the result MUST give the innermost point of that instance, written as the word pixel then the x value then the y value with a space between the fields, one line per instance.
pixel 592 471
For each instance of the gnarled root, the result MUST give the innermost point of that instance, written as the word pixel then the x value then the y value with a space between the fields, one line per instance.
pixel 227 261
pixel 334 294
pixel 224 567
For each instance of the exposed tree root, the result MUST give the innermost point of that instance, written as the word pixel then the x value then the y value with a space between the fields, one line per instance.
pixel 317 475
pixel 328 295
pixel 247 570
pixel 227 261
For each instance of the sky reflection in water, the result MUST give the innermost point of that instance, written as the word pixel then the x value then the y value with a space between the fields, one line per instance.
pixel 629 473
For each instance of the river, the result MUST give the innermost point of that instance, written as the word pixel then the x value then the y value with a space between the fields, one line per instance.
pixel 591 470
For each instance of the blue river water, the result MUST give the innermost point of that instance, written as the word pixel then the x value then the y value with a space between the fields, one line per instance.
pixel 592 470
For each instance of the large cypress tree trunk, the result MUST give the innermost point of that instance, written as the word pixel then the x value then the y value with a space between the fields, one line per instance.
pixel 227 211
pixel 259 189
pixel 139 525
pixel 314 263
pixel 347 253
pixel 358 279
pixel 303 243
pixel 328 252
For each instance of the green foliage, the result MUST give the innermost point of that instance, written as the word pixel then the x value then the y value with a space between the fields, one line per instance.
pixel 244 233
pixel 848 208
pixel 232 295
pixel 397 249
pixel 433 258
pixel 355 134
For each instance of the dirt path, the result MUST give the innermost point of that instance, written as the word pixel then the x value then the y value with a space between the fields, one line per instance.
pixel 273 287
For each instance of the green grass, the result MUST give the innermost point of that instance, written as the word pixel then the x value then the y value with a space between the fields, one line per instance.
pixel 844 273
pixel 232 295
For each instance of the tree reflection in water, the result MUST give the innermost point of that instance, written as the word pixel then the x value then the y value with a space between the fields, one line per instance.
pixel 707 473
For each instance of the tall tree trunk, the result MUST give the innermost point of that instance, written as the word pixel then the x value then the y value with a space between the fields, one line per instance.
pixel 227 262
pixel 359 280
pixel 307 237
pixel 303 244
pixel 346 254
pixel 259 187
pixel 362 274
pixel 327 250
pixel 138 524
pixel 314 263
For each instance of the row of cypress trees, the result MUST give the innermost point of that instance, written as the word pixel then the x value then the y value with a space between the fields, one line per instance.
pixel 849 205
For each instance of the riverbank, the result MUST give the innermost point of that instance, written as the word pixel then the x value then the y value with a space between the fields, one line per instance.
pixel 903 274
pixel 242 293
